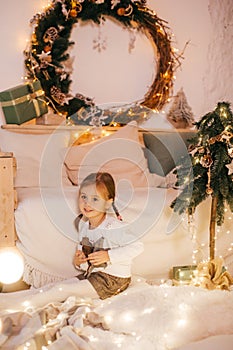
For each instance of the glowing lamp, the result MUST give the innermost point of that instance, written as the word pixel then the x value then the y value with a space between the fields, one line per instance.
pixel 11 265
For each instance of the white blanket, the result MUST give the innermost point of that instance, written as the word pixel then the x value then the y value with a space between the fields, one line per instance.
pixel 144 317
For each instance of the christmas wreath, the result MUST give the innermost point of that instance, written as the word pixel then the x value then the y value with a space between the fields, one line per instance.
pixel 47 55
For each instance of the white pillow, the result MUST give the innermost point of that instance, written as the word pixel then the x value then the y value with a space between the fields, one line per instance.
pixel 120 154
pixel 37 156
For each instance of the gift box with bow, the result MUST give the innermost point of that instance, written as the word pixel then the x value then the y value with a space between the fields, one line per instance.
pixel 23 102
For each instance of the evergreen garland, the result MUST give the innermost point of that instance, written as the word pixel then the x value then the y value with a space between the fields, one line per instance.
pixel 47 56
pixel 211 170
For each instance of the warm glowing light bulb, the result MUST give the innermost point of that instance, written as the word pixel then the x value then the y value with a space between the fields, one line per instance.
pixel 11 265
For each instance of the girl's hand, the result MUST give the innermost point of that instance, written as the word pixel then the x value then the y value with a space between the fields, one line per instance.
pixel 79 258
pixel 98 258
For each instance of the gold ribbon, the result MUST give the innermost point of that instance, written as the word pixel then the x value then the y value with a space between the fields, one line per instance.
pixel 22 99
pixel 211 275
pixel 36 106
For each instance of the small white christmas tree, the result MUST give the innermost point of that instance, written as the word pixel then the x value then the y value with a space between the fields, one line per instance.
pixel 180 114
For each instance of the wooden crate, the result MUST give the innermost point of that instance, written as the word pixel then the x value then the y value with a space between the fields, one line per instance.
pixel 8 201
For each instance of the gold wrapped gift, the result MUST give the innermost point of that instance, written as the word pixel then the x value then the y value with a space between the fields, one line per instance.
pixel 182 275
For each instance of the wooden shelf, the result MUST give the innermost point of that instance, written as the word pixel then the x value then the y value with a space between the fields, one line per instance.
pixel 41 129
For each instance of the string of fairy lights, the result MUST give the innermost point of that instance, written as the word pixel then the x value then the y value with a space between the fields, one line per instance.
pixel 45 335
pixel 155 99
pixel 200 244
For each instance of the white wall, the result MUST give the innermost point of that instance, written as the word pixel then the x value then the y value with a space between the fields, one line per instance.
pixel 115 75
pixel 15 30
pixel 218 77
pixel 190 22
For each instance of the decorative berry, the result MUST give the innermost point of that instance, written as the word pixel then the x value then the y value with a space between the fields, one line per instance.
pixel 73 13
pixel 121 11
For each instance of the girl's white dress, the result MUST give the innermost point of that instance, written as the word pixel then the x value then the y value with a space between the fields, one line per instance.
pixel 113 235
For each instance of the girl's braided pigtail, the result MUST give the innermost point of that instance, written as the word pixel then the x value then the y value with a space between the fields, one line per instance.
pixel 119 217
pixel 76 221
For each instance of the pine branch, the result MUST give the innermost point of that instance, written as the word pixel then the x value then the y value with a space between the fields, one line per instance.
pixel 210 152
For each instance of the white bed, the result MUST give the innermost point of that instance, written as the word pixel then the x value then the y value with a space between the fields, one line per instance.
pixel 151 313
pixel 49 215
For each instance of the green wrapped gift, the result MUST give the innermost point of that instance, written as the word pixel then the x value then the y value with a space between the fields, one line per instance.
pixel 23 102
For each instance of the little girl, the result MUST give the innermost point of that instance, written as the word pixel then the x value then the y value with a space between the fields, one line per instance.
pixel 106 247
pixel 104 254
